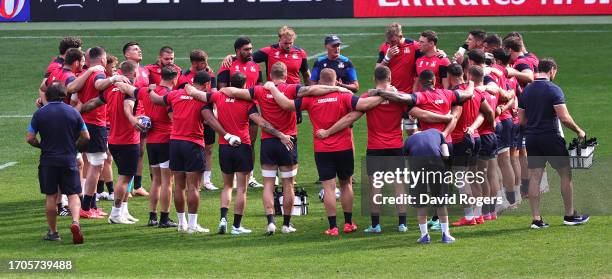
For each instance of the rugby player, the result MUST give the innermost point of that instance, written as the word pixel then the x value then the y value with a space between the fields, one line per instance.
pixel 107 170
pixel 62 132
pixel 430 59
pixel 333 155
pixel 475 40
pixel 57 63
pixel 274 156
pixel 541 107
pixel 345 71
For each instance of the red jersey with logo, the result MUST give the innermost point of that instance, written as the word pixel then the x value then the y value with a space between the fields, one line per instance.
pixel 65 77
pixel 55 64
pixel 471 109
pixel 250 69
pixel 187 118
pixel 96 116
pixel 187 76
pixel 486 127
pixel 122 132
pixel 402 65
pixel 296 61
pixel 435 64
pixel 161 122
pixel 141 81
pixel 233 115
pixel 513 85
pixel 155 72
pixel 324 111
pixel 282 120
pixel 384 125
pixel 437 101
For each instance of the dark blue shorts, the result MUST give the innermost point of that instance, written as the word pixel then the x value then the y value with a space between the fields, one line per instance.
pixel 384 160
pixel 67 179
pixel 546 148
pixel 518 139
pixel 98 139
pixel 465 155
pixel 209 135
pixel 125 157
pixel 503 131
pixel 433 188
pixel 158 153
pixel 235 159
pixel 488 147
pixel 186 156
pixel 337 163
pixel 273 152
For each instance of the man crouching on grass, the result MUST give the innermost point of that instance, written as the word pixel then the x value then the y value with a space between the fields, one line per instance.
pixel 62 131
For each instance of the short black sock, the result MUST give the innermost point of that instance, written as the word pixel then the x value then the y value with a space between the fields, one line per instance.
pixel 510 197
pixel 93 204
pixel 137 182
pixel 110 187
pixel 286 220
pixel 85 205
pixel 375 220
pixel 434 218
pixel 332 222
pixel 270 218
pixel 59 207
pixel 402 219
pixel 100 187
pixel 524 185
pixel 224 212
pixel 164 217
pixel 237 220
pixel 348 217
pixel 485 208
pixel 153 216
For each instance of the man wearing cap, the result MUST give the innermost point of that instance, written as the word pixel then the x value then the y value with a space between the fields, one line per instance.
pixel 345 72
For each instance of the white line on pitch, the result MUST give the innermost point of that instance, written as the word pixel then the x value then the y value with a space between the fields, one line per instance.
pixel 6 165
pixel 15 116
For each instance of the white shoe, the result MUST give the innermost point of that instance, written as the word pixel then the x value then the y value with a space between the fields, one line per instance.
pixel 130 218
pixel 197 229
pixel 182 228
pixel 209 186
pixel 111 196
pixel 222 226
pixel 288 229
pixel 119 220
pixel 254 184
pixel 241 230
pixel 271 229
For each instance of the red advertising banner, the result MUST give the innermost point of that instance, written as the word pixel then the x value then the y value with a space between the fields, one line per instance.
pixel 432 8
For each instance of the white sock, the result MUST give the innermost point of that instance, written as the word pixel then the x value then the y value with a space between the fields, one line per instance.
pixel 116 211
pixel 444 228
pixel 207 175
pixel 181 218
pixel 478 211
pixel 423 228
pixel 124 208
pixel 192 219
pixel 469 213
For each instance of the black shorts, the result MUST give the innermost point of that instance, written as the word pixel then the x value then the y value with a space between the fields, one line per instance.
pixel 384 160
pixel 209 135
pixel 235 159
pixel 434 188
pixel 330 164
pixel 158 153
pixel 67 179
pixel 273 152
pixel 186 156
pixel 546 148
pixel 98 139
pixel 125 157
pixel 503 132
pixel 518 139
pixel 465 155
pixel 488 147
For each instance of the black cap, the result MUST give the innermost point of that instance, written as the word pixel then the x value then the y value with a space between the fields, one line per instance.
pixel 332 39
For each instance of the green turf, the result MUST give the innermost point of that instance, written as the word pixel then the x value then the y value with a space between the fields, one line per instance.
pixel 505 248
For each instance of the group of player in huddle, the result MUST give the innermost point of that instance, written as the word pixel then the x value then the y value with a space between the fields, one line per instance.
pixel 465 107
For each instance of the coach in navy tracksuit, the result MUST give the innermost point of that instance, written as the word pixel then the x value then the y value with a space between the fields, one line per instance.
pixel 61 130
pixel 541 106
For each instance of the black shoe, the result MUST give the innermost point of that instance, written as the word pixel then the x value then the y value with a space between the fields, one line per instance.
pixel 152 223
pixel 63 212
pixel 575 219
pixel 538 224
pixel 52 236
pixel 168 224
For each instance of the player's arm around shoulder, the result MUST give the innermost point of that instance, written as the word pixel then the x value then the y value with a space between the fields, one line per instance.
pixel 280 98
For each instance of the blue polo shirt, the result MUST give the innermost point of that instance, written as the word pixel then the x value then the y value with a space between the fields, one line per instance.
pixel 425 144
pixel 538 101
pixel 345 71
pixel 59 126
